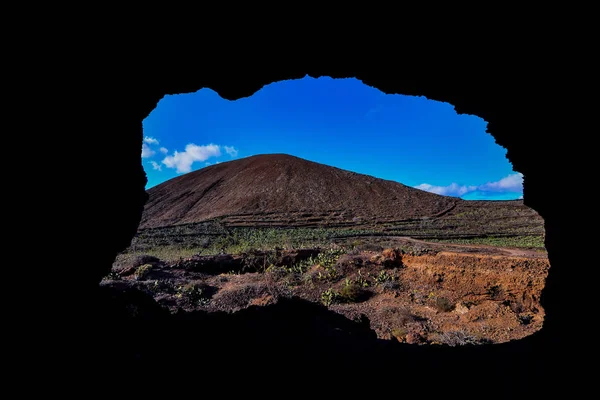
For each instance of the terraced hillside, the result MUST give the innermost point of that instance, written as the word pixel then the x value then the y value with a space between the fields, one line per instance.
pixel 283 190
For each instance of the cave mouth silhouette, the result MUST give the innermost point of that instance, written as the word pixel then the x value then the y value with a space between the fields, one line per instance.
pixel 146 136
pixel 521 109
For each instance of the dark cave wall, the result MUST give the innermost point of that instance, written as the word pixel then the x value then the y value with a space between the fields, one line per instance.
pixel 521 111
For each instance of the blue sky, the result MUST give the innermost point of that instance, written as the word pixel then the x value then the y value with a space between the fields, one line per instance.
pixel 339 122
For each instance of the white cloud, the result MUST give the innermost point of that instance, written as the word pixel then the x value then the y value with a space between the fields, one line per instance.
pixel 232 151
pixel 511 184
pixel 150 140
pixel 183 160
pixel 147 152
pixel 156 165
pixel 163 150
pixel 453 189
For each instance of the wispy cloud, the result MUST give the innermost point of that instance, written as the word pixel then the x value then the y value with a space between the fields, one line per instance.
pixel 511 184
pixel 147 152
pixel 453 189
pixel 232 151
pixel 156 165
pixel 163 150
pixel 150 140
pixel 183 161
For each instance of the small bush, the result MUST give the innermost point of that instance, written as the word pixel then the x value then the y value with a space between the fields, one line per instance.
pixel 309 278
pixel 361 280
pixel 399 333
pixel 330 274
pixel 194 293
pixel 494 291
pixel 142 272
pixel 276 272
pixel 112 276
pixel 443 304
pixel 352 293
pixel 329 258
pixel 161 286
pixel 300 267
pixel 329 296
pixel 384 276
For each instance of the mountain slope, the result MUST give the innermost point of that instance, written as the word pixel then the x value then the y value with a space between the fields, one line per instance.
pixel 287 189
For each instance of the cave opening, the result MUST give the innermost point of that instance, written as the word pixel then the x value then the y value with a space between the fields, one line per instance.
pixel 461 261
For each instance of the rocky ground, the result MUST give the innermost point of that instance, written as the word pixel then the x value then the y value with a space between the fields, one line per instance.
pixel 432 294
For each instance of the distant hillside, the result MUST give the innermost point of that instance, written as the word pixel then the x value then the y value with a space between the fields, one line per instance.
pixel 279 189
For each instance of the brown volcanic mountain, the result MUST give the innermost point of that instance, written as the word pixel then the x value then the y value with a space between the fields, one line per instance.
pixel 285 190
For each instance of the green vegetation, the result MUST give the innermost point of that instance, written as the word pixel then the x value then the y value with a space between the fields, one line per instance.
pixel 112 276
pixel 504 227
pixel 193 293
pixel 329 296
pixel 238 239
pixel 511 241
pixel 335 266
pixel 340 265
pixel 172 243
pixel 330 274
pixel 399 333
pixel 361 280
pixel 329 258
pixel 351 292
pixel 142 271
pixel 298 273
pixel 383 277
